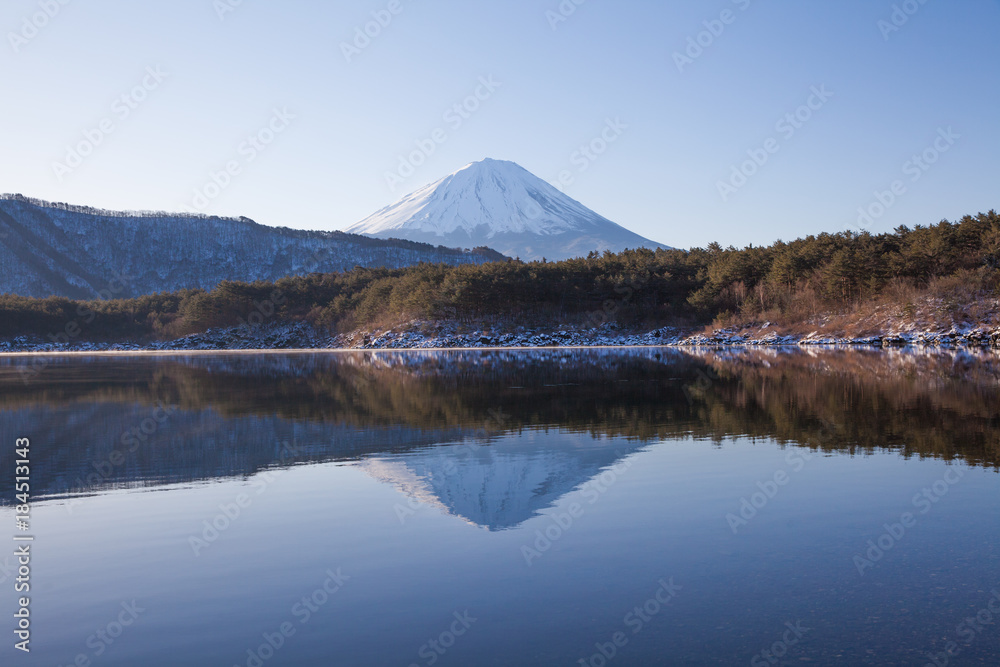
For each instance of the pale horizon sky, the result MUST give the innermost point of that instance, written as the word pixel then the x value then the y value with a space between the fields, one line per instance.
pixel 162 95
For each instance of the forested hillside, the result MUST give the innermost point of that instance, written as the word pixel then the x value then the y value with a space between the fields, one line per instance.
pixel 85 253
pixel 951 264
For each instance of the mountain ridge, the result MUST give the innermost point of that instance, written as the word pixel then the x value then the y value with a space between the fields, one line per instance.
pixel 82 252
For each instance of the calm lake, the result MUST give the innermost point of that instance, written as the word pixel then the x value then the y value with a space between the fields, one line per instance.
pixel 549 507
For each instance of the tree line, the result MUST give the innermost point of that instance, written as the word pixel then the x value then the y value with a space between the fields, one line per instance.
pixel 794 280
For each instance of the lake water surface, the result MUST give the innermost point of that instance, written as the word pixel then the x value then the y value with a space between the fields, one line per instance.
pixel 552 507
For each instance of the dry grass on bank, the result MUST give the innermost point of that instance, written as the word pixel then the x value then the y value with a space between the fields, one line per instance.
pixel 965 299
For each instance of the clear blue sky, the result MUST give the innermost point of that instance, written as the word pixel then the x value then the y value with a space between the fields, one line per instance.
pixel 558 86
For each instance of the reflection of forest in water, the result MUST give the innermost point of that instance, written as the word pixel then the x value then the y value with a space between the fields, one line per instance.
pixel 234 412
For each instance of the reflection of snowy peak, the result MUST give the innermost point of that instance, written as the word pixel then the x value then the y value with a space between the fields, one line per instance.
pixel 504 482
pixel 499 204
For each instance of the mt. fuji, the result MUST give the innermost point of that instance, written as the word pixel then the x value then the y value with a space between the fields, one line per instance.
pixel 500 204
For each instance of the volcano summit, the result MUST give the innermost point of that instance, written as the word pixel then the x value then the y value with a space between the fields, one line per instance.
pixel 500 204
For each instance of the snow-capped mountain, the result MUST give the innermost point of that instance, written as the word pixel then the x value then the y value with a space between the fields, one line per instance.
pixel 85 253
pixel 501 205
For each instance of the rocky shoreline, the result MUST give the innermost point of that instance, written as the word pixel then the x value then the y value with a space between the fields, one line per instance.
pixel 444 336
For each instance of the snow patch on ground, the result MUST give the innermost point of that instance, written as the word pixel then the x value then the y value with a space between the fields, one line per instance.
pixel 431 335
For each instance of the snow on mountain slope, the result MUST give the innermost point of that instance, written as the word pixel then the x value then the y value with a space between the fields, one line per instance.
pixel 80 252
pixel 501 205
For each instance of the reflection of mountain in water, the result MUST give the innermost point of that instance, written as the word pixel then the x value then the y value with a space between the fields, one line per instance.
pixel 99 446
pixel 504 482
pixel 234 412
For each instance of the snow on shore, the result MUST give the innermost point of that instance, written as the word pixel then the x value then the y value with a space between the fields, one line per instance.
pixel 302 336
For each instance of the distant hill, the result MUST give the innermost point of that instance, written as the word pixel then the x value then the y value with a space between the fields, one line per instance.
pixel 84 253
pixel 500 204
